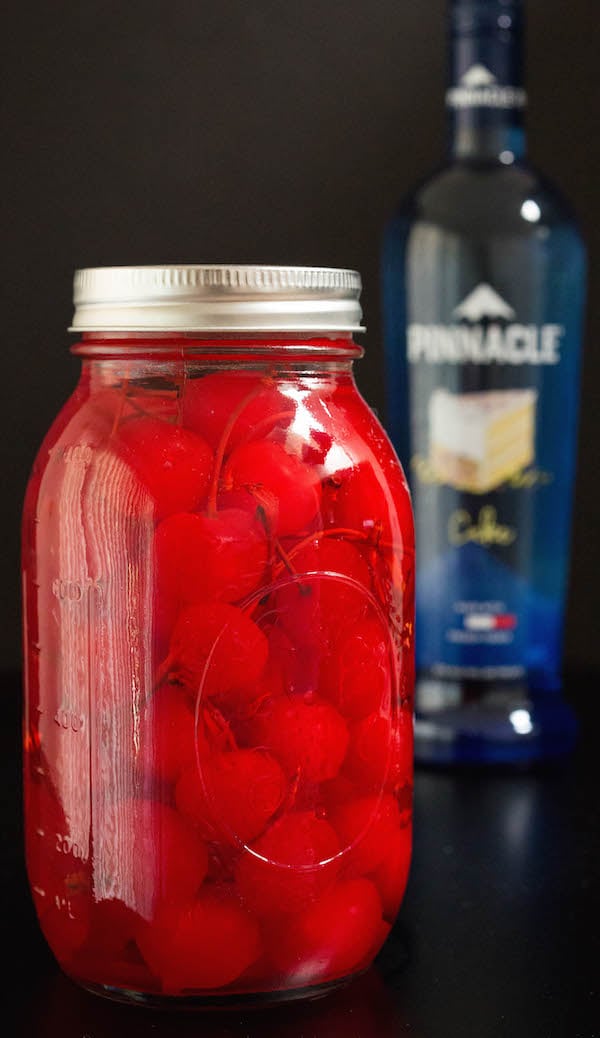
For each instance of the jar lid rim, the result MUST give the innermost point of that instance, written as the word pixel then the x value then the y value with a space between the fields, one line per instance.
pixel 217 297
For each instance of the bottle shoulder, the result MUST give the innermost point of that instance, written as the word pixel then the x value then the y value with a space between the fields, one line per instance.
pixel 486 197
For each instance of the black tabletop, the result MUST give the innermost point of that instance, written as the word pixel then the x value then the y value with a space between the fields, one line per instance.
pixel 498 935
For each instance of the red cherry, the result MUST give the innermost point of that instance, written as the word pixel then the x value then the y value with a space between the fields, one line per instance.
pixel 110 954
pixel 168 737
pixel 238 705
pixel 288 662
pixel 112 927
pixel 288 670
pixel 174 464
pixel 148 855
pixel 291 668
pixel 315 448
pixel 362 499
pixel 209 401
pixel 356 674
pixel 241 500
pixel 371 493
pixel 293 862
pixel 305 733
pixel 314 608
pixel 203 946
pixel 309 436
pixel 380 754
pixel 333 936
pixel 216 647
pixel 370 751
pixel 364 826
pixel 235 795
pixel 220 556
pixel 391 876
pixel 288 490
pixel 337 791
pixel 368 444
pixel 368 502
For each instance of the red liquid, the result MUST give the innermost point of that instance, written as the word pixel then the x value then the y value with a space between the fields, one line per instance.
pixel 218 573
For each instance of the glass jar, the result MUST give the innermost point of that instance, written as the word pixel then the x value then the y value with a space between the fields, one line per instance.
pixel 218 570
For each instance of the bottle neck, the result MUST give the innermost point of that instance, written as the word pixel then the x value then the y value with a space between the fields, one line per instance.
pixel 486 98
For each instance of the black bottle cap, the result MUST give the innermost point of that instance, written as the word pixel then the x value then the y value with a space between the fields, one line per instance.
pixel 474 16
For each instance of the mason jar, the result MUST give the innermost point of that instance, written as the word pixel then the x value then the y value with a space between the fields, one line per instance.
pixel 218 603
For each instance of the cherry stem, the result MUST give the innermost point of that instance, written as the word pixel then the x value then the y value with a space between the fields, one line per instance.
pixel 285 558
pixel 264 423
pixel 139 409
pixel 335 531
pixel 211 509
pixel 181 394
pixel 219 727
pixel 290 799
pixel 121 407
pixel 162 673
pixel 255 706
pixel 263 519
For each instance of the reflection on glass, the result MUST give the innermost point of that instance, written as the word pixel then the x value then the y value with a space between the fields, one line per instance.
pixel 530 210
pixel 521 721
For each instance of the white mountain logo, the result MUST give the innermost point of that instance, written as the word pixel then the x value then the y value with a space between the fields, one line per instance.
pixel 477 76
pixel 483 302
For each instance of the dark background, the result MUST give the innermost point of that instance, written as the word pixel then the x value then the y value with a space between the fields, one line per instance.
pixel 251 131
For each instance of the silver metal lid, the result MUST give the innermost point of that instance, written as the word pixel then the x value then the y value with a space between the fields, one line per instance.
pixel 217 298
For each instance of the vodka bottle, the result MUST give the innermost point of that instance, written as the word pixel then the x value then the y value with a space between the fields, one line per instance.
pixel 484 292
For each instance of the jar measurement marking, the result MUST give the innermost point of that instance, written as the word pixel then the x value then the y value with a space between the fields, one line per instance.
pixel 64 904
pixel 67 590
pixel 70 720
pixel 81 453
pixel 66 845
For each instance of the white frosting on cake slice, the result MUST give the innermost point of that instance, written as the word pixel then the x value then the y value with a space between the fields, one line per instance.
pixel 477 440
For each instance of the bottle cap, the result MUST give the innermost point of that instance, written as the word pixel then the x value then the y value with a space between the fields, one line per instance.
pixel 473 16
pixel 217 298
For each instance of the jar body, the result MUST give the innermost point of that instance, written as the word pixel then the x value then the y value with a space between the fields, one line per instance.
pixel 218 571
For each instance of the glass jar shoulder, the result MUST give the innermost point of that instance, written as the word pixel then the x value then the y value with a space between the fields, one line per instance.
pixel 475 198
pixel 64 420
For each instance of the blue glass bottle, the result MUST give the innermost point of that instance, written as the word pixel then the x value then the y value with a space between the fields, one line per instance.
pixel 484 290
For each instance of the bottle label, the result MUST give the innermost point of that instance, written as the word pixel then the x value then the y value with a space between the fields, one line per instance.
pixel 485 332
pixel 479 88
pixel 479 469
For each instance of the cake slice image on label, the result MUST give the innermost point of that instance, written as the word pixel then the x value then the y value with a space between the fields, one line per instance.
pixel 479 440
